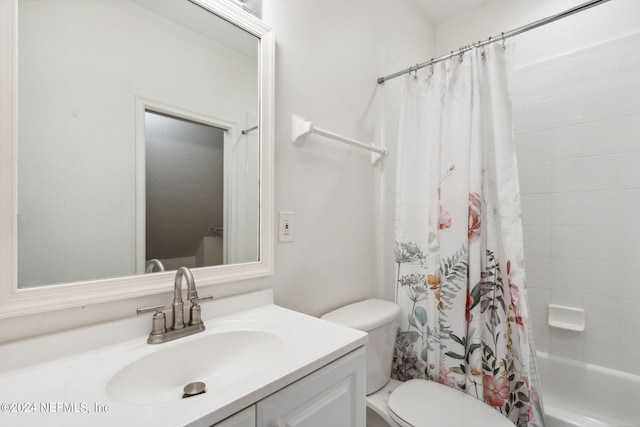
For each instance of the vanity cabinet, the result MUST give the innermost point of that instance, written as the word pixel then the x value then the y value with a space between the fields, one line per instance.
pixel 331 396
pixel 244 418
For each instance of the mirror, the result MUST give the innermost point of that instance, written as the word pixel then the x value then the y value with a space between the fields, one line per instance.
pixel 141 129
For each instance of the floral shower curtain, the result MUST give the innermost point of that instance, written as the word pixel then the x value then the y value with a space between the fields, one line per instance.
pixel 459 255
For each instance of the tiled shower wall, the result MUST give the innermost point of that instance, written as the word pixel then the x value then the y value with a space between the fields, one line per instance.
pixel 577 123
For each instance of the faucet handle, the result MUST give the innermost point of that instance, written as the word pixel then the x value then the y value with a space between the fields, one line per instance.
pixel 159 319
pixel 196 300
pixel 195 309
pixel 157 308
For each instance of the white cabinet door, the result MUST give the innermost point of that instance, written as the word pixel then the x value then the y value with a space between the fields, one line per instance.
pixel 332 396
pixel 244 418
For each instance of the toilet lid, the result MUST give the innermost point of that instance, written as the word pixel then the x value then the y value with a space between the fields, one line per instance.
pixel 422 403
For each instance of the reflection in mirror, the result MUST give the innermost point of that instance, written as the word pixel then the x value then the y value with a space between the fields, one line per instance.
pixel 82 67
pixel 184 166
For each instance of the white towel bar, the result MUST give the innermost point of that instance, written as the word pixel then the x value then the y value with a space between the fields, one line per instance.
pixel 300 128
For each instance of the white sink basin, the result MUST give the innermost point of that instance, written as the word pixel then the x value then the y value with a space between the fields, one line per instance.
pixel 217 359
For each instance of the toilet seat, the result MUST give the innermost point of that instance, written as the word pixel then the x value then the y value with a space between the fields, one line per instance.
pixel 422 403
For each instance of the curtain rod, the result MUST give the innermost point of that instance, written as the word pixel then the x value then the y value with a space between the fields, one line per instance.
pixel 500 37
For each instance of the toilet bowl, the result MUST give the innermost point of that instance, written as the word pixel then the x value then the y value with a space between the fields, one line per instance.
pixel 415 403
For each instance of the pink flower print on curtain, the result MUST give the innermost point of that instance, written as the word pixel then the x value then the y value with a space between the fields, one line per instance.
pixel 514 289
pixel 496 391
pixel 445 217
pixel 474 216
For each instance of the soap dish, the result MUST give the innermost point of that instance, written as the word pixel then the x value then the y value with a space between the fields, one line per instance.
pixel 568 318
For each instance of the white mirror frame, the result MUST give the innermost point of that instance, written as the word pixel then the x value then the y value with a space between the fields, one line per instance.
pixel 18 302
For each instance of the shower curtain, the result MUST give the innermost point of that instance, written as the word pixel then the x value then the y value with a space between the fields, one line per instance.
pixel 459 255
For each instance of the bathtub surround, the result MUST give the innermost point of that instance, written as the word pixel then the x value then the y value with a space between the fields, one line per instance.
pixel 575 92
pixel 586 253
pixel 459 254
pixel 575 88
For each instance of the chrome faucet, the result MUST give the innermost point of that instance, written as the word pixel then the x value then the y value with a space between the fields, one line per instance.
pixel 159 332
pixel 152 264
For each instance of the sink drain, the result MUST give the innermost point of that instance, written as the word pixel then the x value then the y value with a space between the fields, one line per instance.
pixel 194 389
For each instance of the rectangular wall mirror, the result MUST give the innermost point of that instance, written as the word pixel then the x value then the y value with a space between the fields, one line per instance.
pixel 138 138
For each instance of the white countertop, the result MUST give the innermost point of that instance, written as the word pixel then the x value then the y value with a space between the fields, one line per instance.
pixel 71 390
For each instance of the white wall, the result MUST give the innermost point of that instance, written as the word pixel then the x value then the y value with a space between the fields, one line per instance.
pixel 328 56
pixel 576 122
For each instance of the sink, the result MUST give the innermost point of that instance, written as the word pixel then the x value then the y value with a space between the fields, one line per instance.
pixel 218 359
pixel 250 350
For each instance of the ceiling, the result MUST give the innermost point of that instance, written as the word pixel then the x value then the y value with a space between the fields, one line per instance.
pixel 442 10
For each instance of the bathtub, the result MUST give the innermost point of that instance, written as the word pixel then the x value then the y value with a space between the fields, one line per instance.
pixel 577 394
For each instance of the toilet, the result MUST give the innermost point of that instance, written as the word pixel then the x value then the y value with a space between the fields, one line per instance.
pixel 415 403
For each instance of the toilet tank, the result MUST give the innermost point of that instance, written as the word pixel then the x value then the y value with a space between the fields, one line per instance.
pixel 380 319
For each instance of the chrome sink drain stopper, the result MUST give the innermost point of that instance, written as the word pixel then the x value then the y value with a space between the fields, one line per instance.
pixel 194 389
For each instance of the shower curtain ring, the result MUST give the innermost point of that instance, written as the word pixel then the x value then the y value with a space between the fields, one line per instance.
pixel 504 47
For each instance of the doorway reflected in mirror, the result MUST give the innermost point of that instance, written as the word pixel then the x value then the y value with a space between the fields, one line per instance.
pixel 184 166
